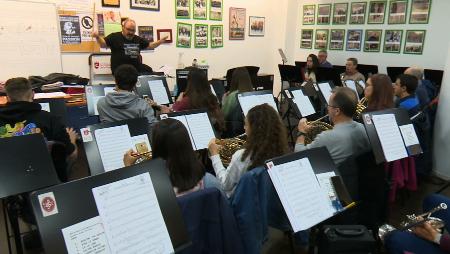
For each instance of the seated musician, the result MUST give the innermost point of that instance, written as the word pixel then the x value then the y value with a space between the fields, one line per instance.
pixel 312 63
pixel 351 70
pixel 347 138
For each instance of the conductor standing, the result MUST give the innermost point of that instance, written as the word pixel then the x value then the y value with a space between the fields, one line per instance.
pixel 126 46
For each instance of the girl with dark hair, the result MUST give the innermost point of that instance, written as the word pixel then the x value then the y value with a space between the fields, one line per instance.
pixel 379 93
pixel 240 83
pixel 266 139
pixel 312 63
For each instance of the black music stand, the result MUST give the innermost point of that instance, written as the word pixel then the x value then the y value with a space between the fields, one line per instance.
pixel 435 76
pixel 143 87
pixel 393 72
pixel 26 166
pixel 137 126
pixel 367 70
pixel 328 74
pixel 57 107
pixel 93 93
pixel 339 68
pixel 290 73
pixel 75 203
pixel 219 89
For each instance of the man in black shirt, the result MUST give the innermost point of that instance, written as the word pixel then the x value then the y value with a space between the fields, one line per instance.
pixel 126 46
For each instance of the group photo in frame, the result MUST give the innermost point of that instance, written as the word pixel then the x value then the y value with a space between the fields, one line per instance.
pixel 309 14
pixel 321 39
pixel 420 11
pixel 414 42
pixel 354 39
pixel 358 13
pixel 306 38
pixel 372 40
pixel 182 9
pixel 111 3
pixel 201 36
pixel 257 26
pixel 237 23
pixel 392 41
pixel 216 36
pixel 377 12
pixel 323 14
pixel 184 35
pixel 215 10
pixel 200 9
pixel 337 37
pixel 146 32
pixel 161 33
pixel 397 12
pixel 151 5
pixel 340 13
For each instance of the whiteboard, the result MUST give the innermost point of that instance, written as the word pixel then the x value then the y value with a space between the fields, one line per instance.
pixel 29 39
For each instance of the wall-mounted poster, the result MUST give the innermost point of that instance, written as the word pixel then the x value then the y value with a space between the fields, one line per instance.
pixel 215 10
pixel 216 36
pixel 358 13
pixel 392 41
pixel 146 32
pixel 201 36
pixel 372 41
pixel 111 22
pixel 237 23
pixel 306 39
pixel 309 12
pixel 200 9
pixel 420 11
pixel 377 10
pixel 323 14
pixel 414 42
pixel 151 5
pixel 340 13
pixel 321 41
pixel 183 9
pixel 164 33
pixel 184 35
pixel 111 3
pixel 257 26
pixel 337 37
pixel 354 38
pixel 397 12
pixel 70 29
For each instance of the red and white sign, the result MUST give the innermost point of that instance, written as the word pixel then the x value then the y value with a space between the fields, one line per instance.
pixel 47 203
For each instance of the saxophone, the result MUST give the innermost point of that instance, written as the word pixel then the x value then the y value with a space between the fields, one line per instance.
pixel 228 147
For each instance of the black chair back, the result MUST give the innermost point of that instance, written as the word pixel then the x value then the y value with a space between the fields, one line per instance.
pixel 393 72
pixel 367 70
pixel 252 71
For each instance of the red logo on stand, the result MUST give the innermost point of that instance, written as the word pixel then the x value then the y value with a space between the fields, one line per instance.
pixel 48 204
pixel 96 65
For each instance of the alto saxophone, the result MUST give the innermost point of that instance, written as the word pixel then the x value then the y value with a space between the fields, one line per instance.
pixel 228 147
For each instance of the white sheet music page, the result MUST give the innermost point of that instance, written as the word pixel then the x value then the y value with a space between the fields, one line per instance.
pixel 183 120
pixel 305 202
pixel 303 103
pixel 108 89
pixel 409 135
pixel 201 129
pixel 86 237
pixel 45 106
pixel 390 137
pixel 327 186
pixel 132 217
pixel 250 101
pixel 352 85
pixel 158 91
pixel 95 101
pixel 113 143
pixel 325 88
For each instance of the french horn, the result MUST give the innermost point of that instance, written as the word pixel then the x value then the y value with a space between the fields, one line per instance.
pixel 360 107
pixel 228 147
pixel 315 128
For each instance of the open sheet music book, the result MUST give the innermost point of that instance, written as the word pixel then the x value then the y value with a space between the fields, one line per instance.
pixel 252 99
pixel 325 88
pixel 155 87
pixel 303 103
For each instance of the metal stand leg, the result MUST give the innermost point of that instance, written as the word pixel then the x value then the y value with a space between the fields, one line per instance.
pixel 5 217
pixel 14 220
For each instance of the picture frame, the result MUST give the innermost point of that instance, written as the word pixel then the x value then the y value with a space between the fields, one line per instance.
pixel 306 39
pixel 216 10
pixel 420 11
pixel 414 42
pixel 201 35
pixel 309 14
pixel 161 33
pixel 182 9
pixel 237 23
pixel 184 35
pixel 392 41
pixel 256 26
pixel 397 12
pixel 200 9
pixel 323 14
pixel 377 12
pixel 358 12
pixel 340 11
pixel 321 39
pixel 354 39
pixel 216 36
pixel 372 40
pixel 149 5
pixel 146 32
pixel 111 3
pixel 337 38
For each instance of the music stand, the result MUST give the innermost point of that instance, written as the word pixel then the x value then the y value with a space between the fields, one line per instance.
pixel 324 92
pixel 328 74
pixel 55 106
pixel 393 72
pixel 435 76
pixel 248 100
pixel 75 203
pixel 146 84
pixel 290 73
pixel 182 76
pixel 367 70
pixel 26 166
pixel 94 93
pixel 339 68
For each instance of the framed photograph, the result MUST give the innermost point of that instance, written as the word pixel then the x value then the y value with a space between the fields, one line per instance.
pixel 337 37
pixel 377 10
pixel 414 42
pixel 306 39
pixel 354 38
pixel 397 12
pixel 151 5
pixel 146 32
pixel 323 14
pixel 182 9
pixel 201 36
pixel 215 10
pixel 257 26
pixel 392 41
pixel 309 13
pixel 161 33
pixel 321 40
pixel 358 13
pixel 184 35
pixel 372 40
pixel 200 9
pixel 237 23
pixel 420 11
pixel 340 13
pixel 216 36
pixel 111 3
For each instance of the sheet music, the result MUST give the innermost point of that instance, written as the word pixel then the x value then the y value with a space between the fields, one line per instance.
pixel 95 101
pixel 352 85
pixel 390 137
pixel 142 143
pixel 325 88
pixel 108 90
pixel 113 143
pixel 49 95
pixel 409 135
pixel 362 84
pixel 86 237
pixel 250 101
pixel 327 186
pixel 183 120
pixel 131 216
pixel 201 129
pixel 45 106
pixel 303 103
pixel 158 91
pixel 304 201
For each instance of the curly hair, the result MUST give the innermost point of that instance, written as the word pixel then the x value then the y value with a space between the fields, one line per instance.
pixel 267 137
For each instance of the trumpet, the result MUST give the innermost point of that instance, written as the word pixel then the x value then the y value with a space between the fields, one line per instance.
pixel 315 128
pixel 229 146
pixel 413 221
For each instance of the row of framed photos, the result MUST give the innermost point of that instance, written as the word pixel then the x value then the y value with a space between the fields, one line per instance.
pixel 185 33
pixel 397 14
pixel 392 43
pixel 198 9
